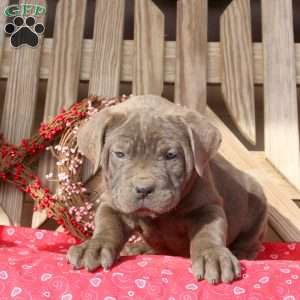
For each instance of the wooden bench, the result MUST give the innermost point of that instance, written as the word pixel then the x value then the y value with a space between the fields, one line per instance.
pixel 190 63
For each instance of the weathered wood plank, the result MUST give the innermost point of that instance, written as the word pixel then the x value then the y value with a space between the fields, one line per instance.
pixel 214 72
pixel 106 54
pixel 107 48
pixel 284 215
pixel 149 49
pixel 4 219
pixel 3 18
pixel 18 113
pixel 3 4
pixel 63 79
pixel 237 79
pixel 272 236
pixel 191 49
pixel 280 94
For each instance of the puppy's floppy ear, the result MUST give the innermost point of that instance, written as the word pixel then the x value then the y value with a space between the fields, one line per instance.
pixel 205 139
pixel 90 137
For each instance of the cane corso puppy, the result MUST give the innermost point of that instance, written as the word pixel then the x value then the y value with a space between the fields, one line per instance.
pixel 164 178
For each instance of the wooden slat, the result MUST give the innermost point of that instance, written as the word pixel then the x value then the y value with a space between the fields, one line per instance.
pixel 149 49
pixel 4 219
pixel 3 18
pixel 18 112
pixel 272 236
pixel 107 48
pixel 237 79
pixel 63 80
pixel 191 61
pixel 106 54
pixel 214 72
pixel 280 94
pixel 3 4
pixel 284 215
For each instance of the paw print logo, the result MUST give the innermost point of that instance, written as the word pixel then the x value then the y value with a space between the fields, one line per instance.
pixel 24 31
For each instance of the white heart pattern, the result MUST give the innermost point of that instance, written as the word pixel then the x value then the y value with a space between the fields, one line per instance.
pixel 147 258
pixel 10 231
pixel 26 267
pixel 262 248
pixel 238 290
pixel 274 256
pixel 47 294
pixel 71 241
pixel 67 297
pixel 39 235
pixel 264 280
pixel 191 286
pixel 285 270
pixel 165 280
pixel 140 283
pixel 142 263
pixel 95 282
pixel 289 298
pixel 15 292
pixel 3 275
pixel 292 246
pixel 166 272
pixel 46 276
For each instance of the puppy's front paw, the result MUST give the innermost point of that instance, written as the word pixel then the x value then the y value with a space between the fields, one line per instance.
pixel 92 254
pixel 216 265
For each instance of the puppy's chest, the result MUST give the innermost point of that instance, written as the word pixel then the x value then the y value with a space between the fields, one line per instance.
pixel 166 234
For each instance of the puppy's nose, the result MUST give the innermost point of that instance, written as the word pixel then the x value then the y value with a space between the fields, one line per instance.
pixel 144 190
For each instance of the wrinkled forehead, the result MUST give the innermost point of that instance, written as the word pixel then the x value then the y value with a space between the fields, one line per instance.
pixel 150 130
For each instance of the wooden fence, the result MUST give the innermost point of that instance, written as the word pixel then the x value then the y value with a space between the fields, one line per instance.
pixel 236 63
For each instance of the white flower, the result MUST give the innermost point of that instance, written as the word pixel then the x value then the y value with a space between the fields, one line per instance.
pixel 48 176
pixel 62 176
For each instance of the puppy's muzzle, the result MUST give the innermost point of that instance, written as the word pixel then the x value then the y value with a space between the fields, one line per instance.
pixel 144 188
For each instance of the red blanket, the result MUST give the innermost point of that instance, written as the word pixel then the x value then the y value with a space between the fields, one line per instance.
pixel 33 266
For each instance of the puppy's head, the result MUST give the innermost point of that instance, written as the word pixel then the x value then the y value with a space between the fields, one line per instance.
pixel 148 149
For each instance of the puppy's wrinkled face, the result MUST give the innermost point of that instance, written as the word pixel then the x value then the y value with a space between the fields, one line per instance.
pixel 147 162
pixel 148 148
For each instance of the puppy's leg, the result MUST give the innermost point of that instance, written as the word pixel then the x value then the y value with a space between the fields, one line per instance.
pixel 249 241
pixel 211 260
pixel 104 247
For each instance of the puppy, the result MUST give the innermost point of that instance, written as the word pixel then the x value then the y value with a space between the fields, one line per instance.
pixel 164 178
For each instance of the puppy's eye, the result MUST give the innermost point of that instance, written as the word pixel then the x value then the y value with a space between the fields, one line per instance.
pixel 119 154
pixel 170 155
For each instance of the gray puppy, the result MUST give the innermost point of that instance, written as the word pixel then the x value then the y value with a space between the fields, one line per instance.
pixel 163 178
